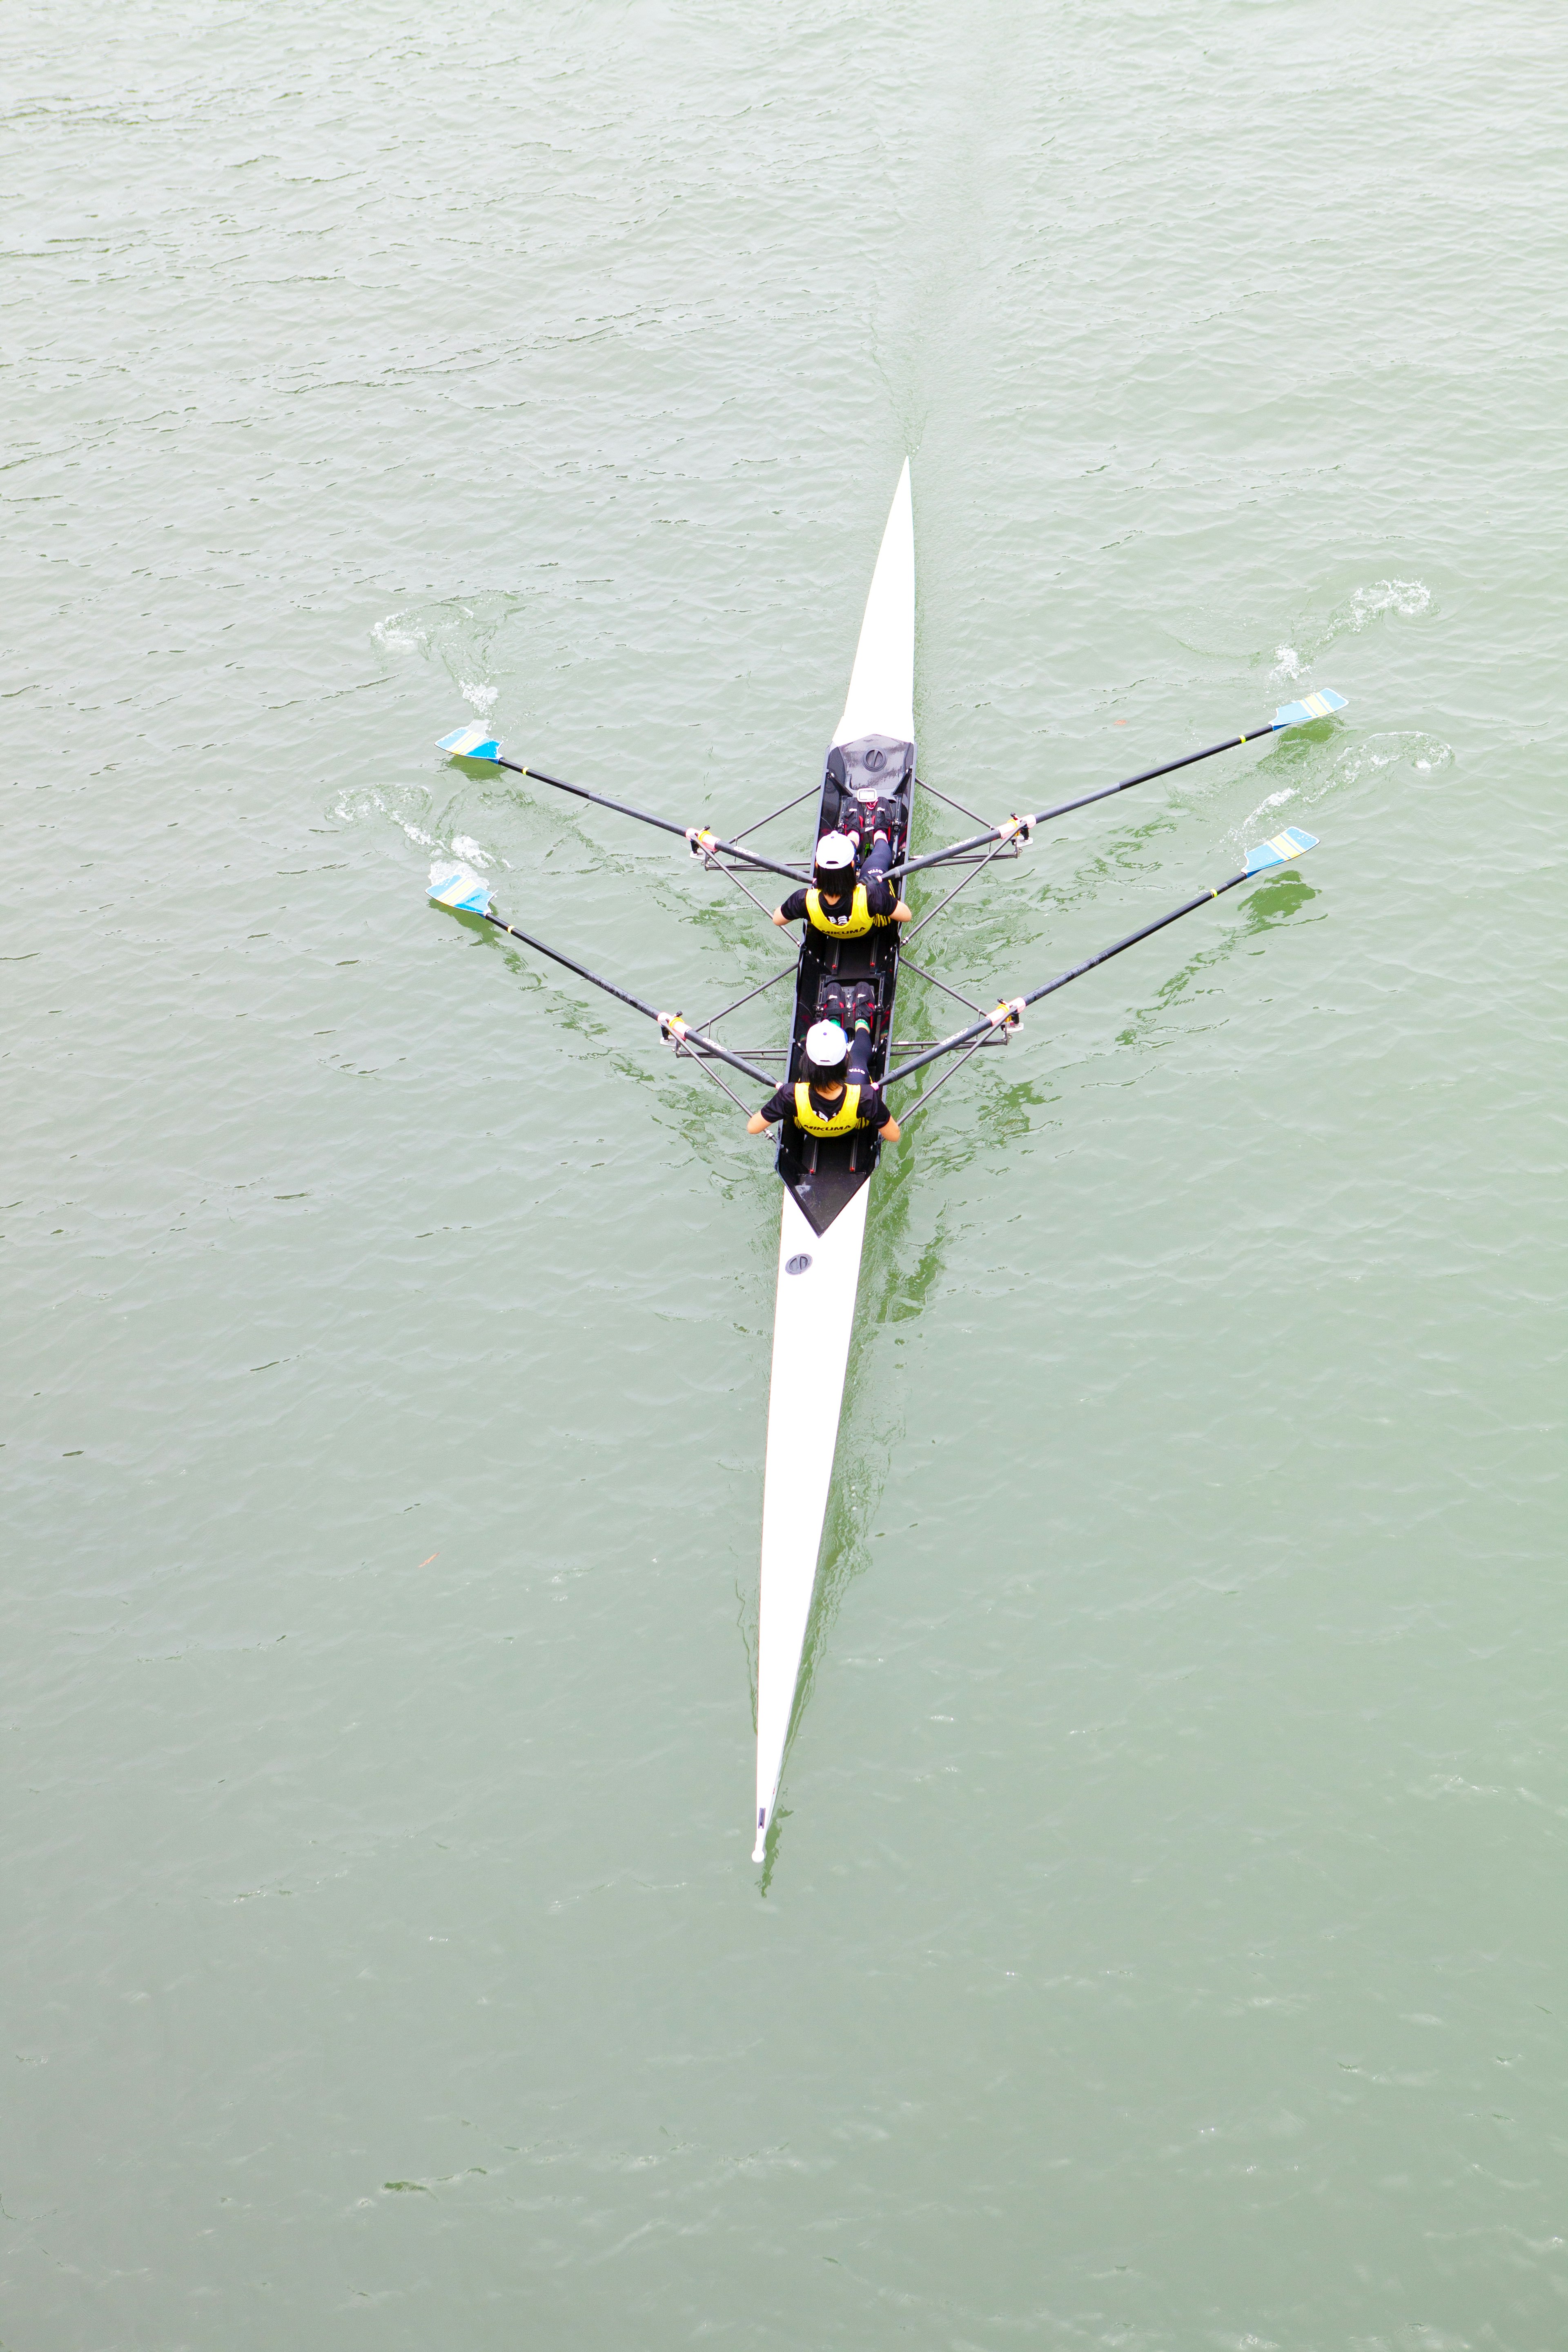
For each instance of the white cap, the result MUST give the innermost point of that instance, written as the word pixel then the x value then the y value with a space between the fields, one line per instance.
pixel 827 1045
pixel 834 852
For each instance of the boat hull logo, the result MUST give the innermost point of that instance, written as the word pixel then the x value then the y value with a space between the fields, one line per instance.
pixel 799 1264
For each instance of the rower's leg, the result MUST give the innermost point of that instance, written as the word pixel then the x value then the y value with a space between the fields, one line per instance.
pixel 862 1013
pixel 832 1004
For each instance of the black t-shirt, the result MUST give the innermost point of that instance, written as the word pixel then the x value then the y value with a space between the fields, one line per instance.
pixel 880 899
pixel 870 1110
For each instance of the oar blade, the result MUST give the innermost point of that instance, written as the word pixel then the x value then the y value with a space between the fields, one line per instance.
pixel 1280 850
pixel 1321 705
pixel 470 743
pixel 459 887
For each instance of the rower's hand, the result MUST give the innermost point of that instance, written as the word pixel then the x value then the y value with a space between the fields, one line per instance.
pixel 756 1124
pixel 901 913
pixel 779 917
pixel 890 1134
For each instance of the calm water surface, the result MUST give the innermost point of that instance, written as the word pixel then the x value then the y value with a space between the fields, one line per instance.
pixel 1164 1947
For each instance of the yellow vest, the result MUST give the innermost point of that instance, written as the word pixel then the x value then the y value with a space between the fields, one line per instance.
pixel 842 1121
pixel 852 925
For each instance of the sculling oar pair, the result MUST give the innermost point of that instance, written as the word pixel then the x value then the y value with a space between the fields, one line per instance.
pixel 1321 705
pixel 473 743
pixel 468 893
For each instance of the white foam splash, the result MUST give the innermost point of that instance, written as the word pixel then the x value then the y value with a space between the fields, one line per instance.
pixel 351 808
pixel 1250 825
pixel 462 846
pixel 1426 755
pixel 355 807
pixel 1408 598
pixel 396 638
pixel 1405 600
pixel 481 697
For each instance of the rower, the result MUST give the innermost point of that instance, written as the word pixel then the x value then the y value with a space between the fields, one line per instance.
pixel 839 904
pixel 835 1097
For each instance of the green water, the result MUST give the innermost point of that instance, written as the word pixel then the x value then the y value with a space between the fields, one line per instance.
pixel 1164 1947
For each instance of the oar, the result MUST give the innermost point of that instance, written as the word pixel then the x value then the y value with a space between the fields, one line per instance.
pixel 467 893
pixel 1289 714
pixel 473 743
pixel 1284 846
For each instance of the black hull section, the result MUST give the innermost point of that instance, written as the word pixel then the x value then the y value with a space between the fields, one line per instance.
pixel 824 1174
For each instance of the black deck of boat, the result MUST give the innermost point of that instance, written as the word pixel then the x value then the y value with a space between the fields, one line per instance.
pixel 824 1174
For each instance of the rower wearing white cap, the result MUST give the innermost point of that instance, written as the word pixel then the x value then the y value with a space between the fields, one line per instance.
pixel 835 1097
pixel 839 903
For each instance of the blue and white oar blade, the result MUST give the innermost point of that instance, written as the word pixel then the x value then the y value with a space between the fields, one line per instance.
pixel 470 743
pixel 459 887
pixel 1280 850
pixel 1321 705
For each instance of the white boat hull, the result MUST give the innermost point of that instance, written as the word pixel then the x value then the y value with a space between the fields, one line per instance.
pixel 814 1315
pixel 812 1323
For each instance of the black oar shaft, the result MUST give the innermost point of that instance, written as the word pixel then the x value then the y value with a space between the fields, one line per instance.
pixel 698 1044
pixel 600 800
pixel 1084 800
pixel 1146 931
pixel 1147 775
pixel 962 1037
pixel 645 817
pixel 581 969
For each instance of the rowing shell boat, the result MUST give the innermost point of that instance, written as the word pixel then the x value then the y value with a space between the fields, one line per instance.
pixel 826 1185
pixel 827 1182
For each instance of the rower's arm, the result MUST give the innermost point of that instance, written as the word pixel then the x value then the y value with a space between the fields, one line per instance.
pixel 757 1124
pixel 890 1133
pixel 780 918
pixel 901 913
